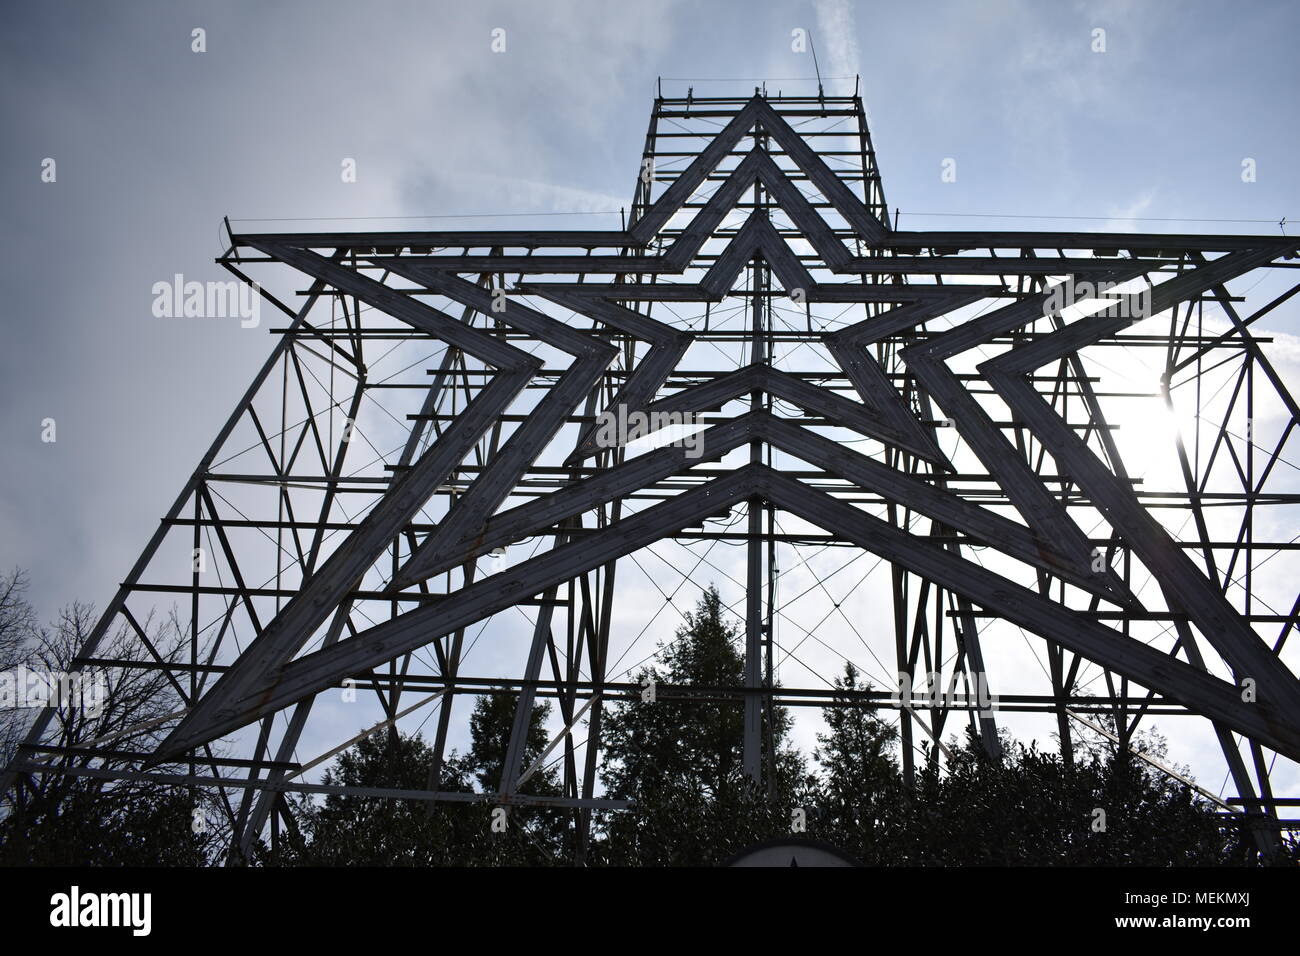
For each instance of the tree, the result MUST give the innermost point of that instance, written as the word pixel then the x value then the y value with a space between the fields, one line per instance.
pixel 63 818
pixel 19 630
pixel 1118 737
pixel 681 761
pixel 860 785
pixel 489 729
pixel 348 830
pixel 1031 808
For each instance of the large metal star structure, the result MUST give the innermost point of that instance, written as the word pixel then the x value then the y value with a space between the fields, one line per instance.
pixel 420 458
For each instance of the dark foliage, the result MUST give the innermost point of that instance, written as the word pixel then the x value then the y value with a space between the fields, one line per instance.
pixel 375 831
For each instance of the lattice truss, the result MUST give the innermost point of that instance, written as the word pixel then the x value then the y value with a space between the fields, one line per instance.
pixel 914 455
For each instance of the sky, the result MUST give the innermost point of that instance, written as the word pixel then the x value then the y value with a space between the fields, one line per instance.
pixel 155 143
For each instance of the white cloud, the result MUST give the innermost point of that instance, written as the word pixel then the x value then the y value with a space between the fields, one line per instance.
pixel 1122 217
pixel 837 32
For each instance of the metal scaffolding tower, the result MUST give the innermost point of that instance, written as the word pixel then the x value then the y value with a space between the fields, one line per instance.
pixel 419 471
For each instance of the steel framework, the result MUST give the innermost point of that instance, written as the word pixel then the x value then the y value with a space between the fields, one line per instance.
pixel 417 470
